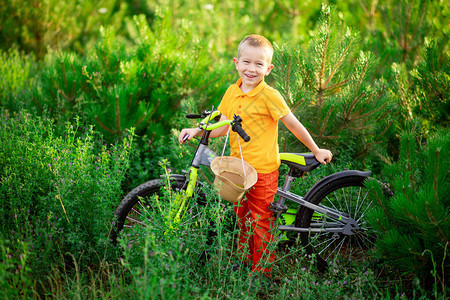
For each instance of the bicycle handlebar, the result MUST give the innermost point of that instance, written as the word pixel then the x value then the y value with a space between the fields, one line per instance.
pixel 194 116
pixel 237 127
pixel 209 115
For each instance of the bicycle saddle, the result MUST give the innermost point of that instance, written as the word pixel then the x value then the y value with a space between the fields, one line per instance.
pixel 305 162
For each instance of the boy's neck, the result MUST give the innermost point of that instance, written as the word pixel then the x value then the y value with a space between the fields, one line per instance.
pixel 246 89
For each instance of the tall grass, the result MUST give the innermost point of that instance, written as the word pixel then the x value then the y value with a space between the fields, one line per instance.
pixel 58 195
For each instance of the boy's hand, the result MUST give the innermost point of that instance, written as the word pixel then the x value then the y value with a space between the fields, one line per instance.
pixel 324 156
pixel 187 134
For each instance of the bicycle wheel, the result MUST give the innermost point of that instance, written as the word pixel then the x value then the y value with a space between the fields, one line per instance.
pixel 142 210
pixel 347 195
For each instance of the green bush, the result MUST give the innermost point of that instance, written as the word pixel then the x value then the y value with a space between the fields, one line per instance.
pixel 423 92
pixel 51 24
pixel 431 80
pixel 57 193
pixel 413 225
pixel 18 72
pixel 118 85
pixel 329 88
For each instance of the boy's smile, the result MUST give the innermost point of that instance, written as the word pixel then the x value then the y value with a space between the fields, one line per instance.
pixel 252 65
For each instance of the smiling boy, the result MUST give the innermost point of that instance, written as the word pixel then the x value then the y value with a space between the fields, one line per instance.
pixel 260 107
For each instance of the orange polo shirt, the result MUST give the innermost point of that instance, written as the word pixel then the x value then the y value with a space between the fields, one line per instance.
pixel 260 110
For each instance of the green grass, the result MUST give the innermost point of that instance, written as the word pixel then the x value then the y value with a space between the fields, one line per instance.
pixel 58 195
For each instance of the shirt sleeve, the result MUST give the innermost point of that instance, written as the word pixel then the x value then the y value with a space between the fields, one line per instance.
pixel 277 106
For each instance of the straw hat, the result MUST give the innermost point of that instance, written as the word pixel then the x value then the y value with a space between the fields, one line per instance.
pixel 231 181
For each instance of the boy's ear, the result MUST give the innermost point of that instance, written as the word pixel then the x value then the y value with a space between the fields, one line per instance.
pixel 269 69
pixel 235 59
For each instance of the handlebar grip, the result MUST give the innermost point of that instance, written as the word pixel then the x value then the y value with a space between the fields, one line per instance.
pixel 194 116
pixel 238 128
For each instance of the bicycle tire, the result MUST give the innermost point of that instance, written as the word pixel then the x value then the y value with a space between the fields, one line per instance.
pixel 137 206
pixel 332 248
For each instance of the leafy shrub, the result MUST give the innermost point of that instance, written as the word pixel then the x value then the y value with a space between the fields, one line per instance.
pixel 58 193
pixel 413 225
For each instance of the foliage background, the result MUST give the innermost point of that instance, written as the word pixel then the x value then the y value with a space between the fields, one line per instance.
pixel 77 76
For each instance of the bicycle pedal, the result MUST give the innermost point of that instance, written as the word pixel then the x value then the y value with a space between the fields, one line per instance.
pixel 278 208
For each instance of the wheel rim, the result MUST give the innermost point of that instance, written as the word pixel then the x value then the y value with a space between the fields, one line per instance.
pixel 335 248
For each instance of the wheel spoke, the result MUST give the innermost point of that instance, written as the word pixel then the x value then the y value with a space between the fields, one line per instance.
pixel 332 204
pixel 364 237
pixel 136 211
pixel 364 212
pixel 347 196
pixel 136 221
pixel 337 246
pixel 362 202
pixel 357 202
pixel 146 205
pixel 344 196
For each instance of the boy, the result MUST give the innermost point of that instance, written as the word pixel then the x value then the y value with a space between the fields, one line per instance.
pixel 260 107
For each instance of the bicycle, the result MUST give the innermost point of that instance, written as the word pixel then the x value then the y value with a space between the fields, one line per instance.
pixel 329 219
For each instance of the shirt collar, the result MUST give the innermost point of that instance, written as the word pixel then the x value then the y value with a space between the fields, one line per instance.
pixel 253 92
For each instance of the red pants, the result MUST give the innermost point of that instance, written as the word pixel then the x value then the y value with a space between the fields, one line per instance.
pixel 256 222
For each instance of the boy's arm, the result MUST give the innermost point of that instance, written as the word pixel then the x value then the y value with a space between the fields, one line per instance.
pixel 192 132
pixel 300 132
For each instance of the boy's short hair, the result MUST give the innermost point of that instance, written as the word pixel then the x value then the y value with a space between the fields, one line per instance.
pixel 256 40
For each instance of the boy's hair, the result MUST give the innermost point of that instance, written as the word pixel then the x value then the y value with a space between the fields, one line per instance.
pixel 256 40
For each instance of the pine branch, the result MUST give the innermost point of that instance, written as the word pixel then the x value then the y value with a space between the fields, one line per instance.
pixel 322 69
pixel 437 223
pixel 361 77
pixel 363 6
pixel 436 176
pixel 404 44
pixel 406 194
pixel 423 12
pixel 140 120
pixel 339 62
pixel 389 28
pixel 155 108
pixel 346 114
pixel 325 122
pixel 104 126
pixel 381 225
pixel 129 101
pixel 370 112
pixel 296 105
pixel 336 86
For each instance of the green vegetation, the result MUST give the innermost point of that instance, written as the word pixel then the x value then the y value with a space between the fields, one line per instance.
pixel 413 226
pixel 93 93
pixel 329 88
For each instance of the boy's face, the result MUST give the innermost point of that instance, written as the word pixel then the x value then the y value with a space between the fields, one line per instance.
pixel 252 65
